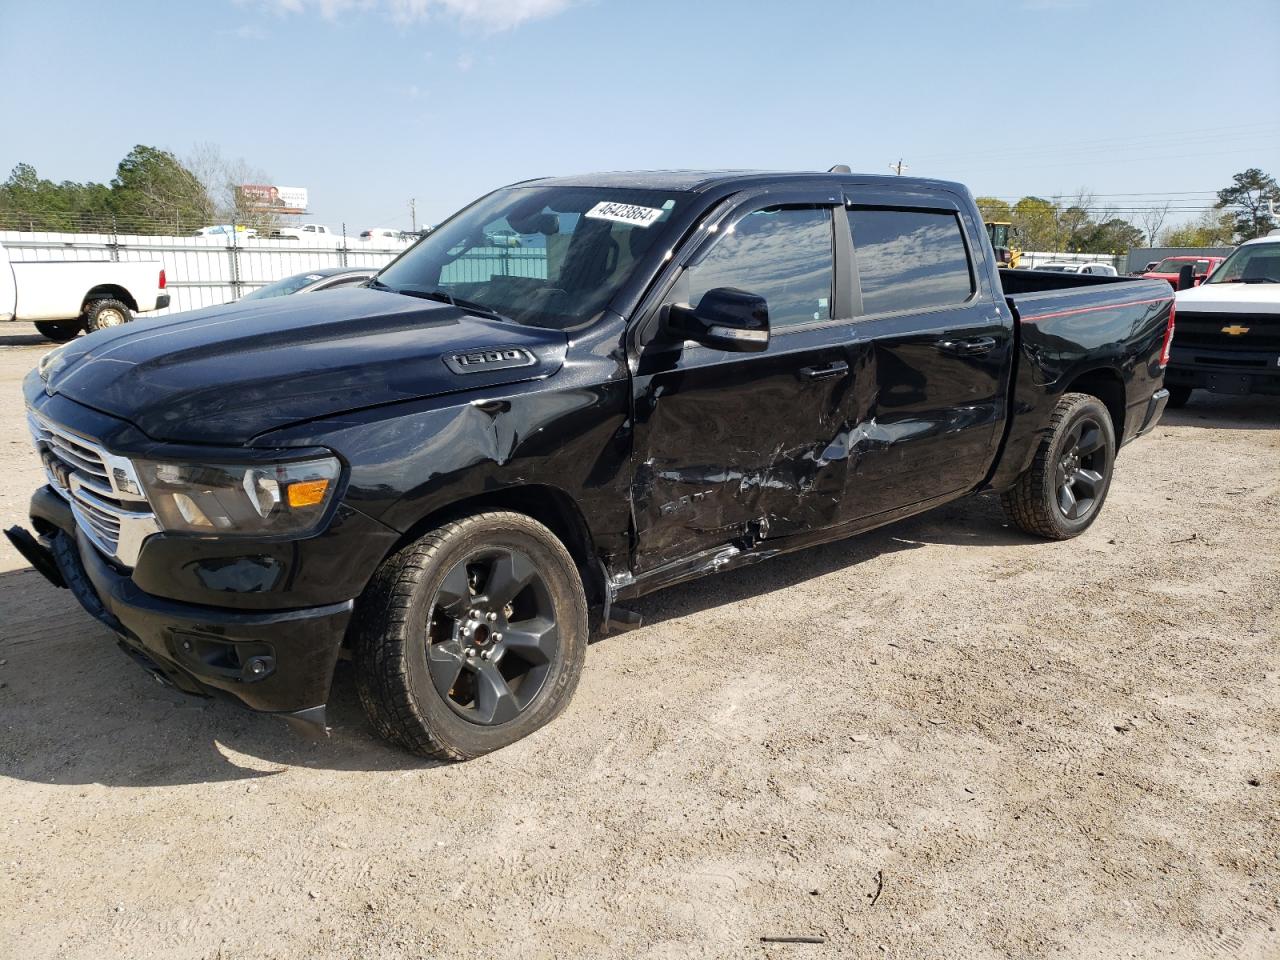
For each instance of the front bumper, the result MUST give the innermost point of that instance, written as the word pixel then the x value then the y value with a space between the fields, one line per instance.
pixel 1225 371
pixel 278 661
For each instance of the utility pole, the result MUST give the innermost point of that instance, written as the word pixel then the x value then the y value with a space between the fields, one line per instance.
pixel 899 167
pixel 413 212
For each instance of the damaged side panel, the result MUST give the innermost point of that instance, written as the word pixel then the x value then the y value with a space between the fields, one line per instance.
pixel 732 447
pixel 569 433
pixel 742 449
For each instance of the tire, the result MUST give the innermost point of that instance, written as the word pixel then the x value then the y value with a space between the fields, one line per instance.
pixel 59 331
pixel 1178 396
pixel 105 314
pixel 428 671
pixel 1062 492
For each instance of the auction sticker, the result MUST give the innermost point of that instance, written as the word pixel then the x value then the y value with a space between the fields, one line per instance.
pixel 625 213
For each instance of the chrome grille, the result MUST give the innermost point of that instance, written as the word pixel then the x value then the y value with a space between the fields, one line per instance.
pixel 99 487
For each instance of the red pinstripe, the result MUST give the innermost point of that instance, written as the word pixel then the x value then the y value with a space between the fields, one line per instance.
pixel 1106 306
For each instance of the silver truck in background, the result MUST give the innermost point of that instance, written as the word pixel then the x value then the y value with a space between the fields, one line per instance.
pixel 66 296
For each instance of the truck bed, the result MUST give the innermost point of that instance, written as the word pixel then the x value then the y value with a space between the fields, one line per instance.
pixel 1075 328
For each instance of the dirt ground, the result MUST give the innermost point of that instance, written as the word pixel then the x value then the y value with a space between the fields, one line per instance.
pixel 939 740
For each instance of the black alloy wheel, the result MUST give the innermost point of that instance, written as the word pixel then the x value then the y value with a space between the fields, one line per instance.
pixel 1083 467
pixel 471 637
pixel 1062 492
pixel 492 636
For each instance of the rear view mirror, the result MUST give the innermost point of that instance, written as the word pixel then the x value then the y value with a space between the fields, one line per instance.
pixel 1186 277
pixel 547 224
pixel 725 318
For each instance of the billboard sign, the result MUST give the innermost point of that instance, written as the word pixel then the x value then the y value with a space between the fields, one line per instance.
pixel 265 198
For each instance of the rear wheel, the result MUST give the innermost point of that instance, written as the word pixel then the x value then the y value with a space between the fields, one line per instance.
pixel 472 637
pixel 104 314
pixel 1178 396
pixel 1063 490
pixel 59 331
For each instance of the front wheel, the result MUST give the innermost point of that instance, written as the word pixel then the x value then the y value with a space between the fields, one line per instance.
pixel 59 331
pixel 1178 396
pixel 1063 490
pixel 472 637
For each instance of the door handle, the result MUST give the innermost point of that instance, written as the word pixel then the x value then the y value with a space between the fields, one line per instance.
pixel 968 348
pixel 837 368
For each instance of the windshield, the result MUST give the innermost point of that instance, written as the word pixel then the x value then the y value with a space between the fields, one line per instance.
pixel 1257 263
pixel 282 287
pixel 542 256
pixel 1201 267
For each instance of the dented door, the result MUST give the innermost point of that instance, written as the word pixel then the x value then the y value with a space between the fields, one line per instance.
pixel 745 446
pixel 733 446
pixel 939 363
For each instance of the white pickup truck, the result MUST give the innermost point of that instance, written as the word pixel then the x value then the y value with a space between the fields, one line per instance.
pixel 63 297
pixel 1227 337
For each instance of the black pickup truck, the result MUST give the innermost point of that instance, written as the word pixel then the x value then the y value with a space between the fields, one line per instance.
pixel 459 473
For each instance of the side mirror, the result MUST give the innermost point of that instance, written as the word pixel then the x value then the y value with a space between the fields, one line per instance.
pixel 725 318
pixel 1186 277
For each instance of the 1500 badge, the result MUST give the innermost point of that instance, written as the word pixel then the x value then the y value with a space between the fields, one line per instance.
pixel 484 361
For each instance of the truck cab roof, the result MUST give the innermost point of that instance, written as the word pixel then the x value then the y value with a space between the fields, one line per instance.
pixel 698 181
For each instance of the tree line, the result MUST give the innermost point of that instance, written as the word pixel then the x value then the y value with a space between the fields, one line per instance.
pixel 1081 225
pixel 153 192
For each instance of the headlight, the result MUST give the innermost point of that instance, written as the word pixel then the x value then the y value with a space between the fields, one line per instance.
pixel 224 499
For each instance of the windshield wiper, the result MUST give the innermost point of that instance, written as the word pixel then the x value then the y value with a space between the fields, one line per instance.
pixel 444 296
pixel 376 284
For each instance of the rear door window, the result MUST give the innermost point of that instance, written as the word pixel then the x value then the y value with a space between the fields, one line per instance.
pixel 910 259
pixel 784 255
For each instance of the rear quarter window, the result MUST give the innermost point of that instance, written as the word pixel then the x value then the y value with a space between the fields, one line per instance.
pixel 910 259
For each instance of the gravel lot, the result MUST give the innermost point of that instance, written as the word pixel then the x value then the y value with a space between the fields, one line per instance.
pixel 939 740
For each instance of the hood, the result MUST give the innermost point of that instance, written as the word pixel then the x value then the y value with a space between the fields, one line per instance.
pixel 1231 298
pixel 230 373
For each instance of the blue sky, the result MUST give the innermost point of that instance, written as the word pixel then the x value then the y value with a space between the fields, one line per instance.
pixel 370 102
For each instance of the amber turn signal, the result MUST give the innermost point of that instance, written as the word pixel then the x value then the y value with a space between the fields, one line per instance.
pixel 307 493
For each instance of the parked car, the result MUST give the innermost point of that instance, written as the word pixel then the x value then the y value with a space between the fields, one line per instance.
pixel 1169 268
pixel 457 475
pixel 1095 269
pixel 313 281
pixel 226 230
pixel 315 233
pixel 503 238
pixel 1228 336
pixel 63 297
pixel 381 234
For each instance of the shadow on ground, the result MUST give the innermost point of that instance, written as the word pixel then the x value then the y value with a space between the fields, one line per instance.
pixel 1224 412
pixel 974 522
pixel 75 709
pixel 24 336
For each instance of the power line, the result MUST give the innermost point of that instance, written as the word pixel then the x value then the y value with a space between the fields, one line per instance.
pixel 1215 134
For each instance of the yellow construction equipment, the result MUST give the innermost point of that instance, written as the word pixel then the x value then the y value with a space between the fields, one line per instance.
pixel 1003 235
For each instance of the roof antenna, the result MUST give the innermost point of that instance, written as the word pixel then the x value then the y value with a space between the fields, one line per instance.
pixel 840 168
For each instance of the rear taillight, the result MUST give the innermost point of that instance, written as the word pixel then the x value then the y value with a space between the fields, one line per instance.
pixel 1168 337
pixel 161 279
